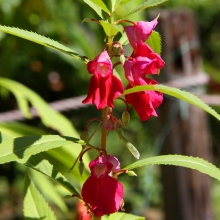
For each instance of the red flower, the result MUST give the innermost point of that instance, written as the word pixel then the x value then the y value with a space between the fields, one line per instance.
pixel 137 35
pixel 104 87
pixel 102 192
pixel 145 51
pixel 137 68
pixel 139 32
pixel 145 102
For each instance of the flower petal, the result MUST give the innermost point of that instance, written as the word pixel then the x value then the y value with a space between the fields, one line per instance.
pixel 145 102
pixel 104 194
pixel 103 90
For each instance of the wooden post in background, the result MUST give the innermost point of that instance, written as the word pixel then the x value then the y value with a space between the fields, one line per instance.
pixel 186 192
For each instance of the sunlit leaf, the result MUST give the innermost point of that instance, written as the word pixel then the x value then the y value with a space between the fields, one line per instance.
pixel 24 147
pixel 110 29
pixel 177 93
pixel 48 116
pixel 179 160
pixel 146 4
pixel 124 39
pixel 49 190
pixel 101 4
pixel 95 7
pixel 119 3
pixel 28 35
pixel 124 216
pixel 4 137
pixel 154 41
pixel 38 163
pixel 35 206
pixel 16 129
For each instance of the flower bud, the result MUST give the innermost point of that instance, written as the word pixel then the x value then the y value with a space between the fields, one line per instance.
pixel 131 173
pixel 122 59
pixel 129 145
pixel 133 150
pixel 81 167
pixel 126 118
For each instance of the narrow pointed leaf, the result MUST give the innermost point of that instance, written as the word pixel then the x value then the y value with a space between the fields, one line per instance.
pixel 110 29
pixel 24 147
pixel 177 93
pixel 49 190
pixel 124 39
pixel 101 4
pixel 16 129
pixel 49 117
pixel 35 206
pixel 95 7
pixel 124 216
pixel 63 158
pixel 146 4
pixel 28 35
pixel 120 3
pixel 38 163
pixel 4 137
pixel 179 160
pixel 154 41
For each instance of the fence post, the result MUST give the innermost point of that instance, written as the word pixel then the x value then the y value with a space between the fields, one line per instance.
pixel 186 192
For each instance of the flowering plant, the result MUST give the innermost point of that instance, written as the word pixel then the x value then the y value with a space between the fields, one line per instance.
pixel 102 192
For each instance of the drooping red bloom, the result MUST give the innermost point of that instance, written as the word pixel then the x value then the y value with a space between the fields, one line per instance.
pixel 104 87
pixel 139 32
pixel 101 191
pixel 137 68
pixel 145 102
pixel 137 35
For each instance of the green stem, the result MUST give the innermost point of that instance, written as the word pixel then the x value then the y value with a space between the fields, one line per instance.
pixel 97 218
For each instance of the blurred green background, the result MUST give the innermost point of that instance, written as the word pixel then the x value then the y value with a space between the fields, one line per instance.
pixel 55 76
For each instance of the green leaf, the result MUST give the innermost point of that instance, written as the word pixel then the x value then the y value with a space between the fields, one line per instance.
pixel 42 40
pixel 38 163
pixel 110 29
pixel 63 158
pixel 49 190
pixel 48 116
pixel 101 4
pixel 4 137
pixel 177 93
pixel 24 147
pixel 35 207
pixel 124 39
pixel 124 216
pixel 16 129
pixel 146 4
pixel 179 160
pixel 95 7
pixel 154 41
pixel 120 3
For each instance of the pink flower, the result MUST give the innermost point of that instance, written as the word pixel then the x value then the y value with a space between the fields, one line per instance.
pixel 139 32
pixel 104 87
pixel 144 50
pixel 137 68
pixel 137 35
pixel 100 191
pixel 145 102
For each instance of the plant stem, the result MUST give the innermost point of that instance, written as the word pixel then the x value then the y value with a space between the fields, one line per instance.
pixel 104 131
pixel 97 218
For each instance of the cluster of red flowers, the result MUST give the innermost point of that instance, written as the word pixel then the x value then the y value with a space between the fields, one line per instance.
pixel 104 87
pixel 102 193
